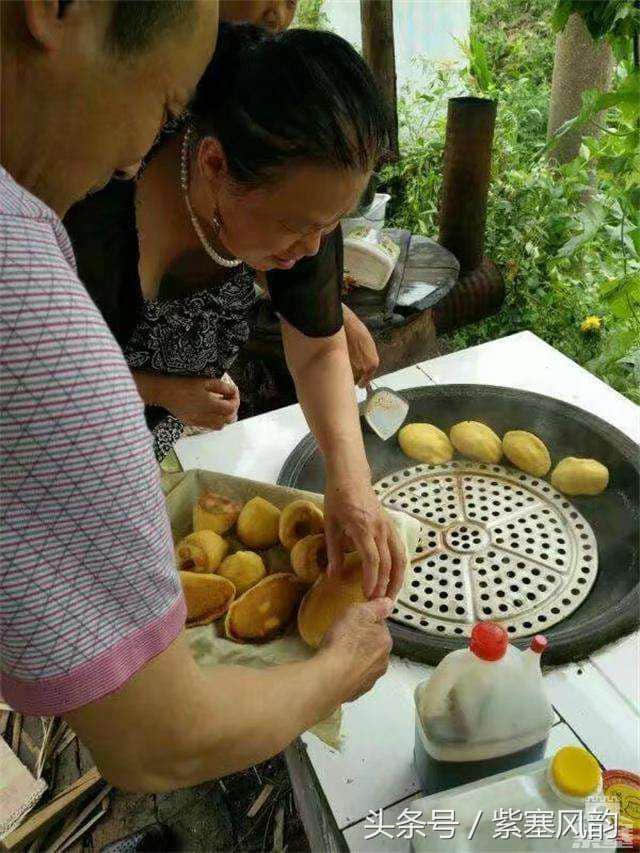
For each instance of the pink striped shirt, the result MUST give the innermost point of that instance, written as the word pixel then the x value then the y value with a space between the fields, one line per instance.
pixel 88 586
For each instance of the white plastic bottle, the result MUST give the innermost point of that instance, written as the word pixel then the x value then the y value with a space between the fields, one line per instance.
pixel 483 711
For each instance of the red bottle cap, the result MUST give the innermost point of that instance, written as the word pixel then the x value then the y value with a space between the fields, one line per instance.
pixel 539 644
pixel 488 641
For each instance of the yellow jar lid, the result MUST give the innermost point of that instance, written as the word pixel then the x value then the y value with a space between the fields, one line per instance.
pixel 575 771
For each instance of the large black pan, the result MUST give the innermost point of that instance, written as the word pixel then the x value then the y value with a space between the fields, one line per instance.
pixel 612 608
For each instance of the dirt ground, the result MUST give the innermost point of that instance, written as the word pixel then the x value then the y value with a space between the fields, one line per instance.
pixel 208 817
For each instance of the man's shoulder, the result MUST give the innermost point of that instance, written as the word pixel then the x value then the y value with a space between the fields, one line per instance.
pixel 54 340
pixel 32 236
pixel 18 202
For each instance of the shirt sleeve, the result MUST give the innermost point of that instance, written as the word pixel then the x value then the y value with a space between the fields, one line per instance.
pixel 309 295
pixel 89 588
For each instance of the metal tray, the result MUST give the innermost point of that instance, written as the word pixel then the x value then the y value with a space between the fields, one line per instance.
pixel 606 604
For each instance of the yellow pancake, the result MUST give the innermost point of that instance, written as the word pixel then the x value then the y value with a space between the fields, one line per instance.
pixel 208 596
pixel 329 599
pixel 299 519
pixel 265 610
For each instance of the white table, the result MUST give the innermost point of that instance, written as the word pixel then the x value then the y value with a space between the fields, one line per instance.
pixel 597 702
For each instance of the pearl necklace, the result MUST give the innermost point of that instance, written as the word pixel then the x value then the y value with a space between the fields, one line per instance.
pixel 184 182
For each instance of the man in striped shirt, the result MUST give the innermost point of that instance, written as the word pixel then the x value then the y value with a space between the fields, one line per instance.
pixel 91 609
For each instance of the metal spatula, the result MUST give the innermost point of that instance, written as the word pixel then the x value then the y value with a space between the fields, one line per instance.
pixel 384 411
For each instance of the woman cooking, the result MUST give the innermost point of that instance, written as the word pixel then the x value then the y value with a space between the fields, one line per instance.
pixel 283 134
pixel 256 379
pixel 152 329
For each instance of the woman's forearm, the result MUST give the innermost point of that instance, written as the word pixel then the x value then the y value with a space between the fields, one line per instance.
pixel 322 374
pixel 152 387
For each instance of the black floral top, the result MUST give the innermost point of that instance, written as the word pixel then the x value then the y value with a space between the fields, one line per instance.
pixel 197 333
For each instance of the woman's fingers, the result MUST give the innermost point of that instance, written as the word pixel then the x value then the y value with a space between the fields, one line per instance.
pixel 228 390
pixel 221 407
pixel 368 550
pixel 384 569
pixel 398 563
pixel 333 536
pixel 367 376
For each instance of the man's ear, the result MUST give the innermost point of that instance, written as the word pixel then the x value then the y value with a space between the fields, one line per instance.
pixel 45 19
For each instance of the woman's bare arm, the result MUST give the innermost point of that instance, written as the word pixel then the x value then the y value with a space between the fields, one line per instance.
pixel 324 384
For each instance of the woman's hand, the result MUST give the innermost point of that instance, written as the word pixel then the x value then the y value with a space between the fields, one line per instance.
pixel 197 401
pixel 353 515
pixel 363 354
pixel 354 520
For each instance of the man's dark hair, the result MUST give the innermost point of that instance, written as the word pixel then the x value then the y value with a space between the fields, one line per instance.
pixel 136 24
pixel 301 95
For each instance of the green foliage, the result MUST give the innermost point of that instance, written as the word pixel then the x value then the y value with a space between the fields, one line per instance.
pixel 309 15
pixel 614 211
pixel 517 38
pixel 613 19
pixel 567 238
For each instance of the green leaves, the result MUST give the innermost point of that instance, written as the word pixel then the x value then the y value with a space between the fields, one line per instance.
pixel 613 19
pixel 479 64
pixel 591 218
pixel 622 295
pixel 626 96
pixel 563 260
pixel 309 15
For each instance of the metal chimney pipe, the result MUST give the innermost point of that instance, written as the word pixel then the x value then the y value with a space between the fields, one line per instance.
pixel 466 173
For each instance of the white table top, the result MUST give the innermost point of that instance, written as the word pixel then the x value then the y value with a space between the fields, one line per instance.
pixel 598 701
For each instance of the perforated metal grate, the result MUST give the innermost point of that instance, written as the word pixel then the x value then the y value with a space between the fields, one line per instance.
pixel 495 544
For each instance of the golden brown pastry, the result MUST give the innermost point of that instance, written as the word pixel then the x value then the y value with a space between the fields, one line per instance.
pixel 244 569
pixel 527 452
pixel 309 557
pixel 215 512
pixel 201 552
pixel 207 596
pixel 329 599
pixel 476 441
pixel 426 443
pixel 265 610
pixel 258 523
pixel 575 476
pixel 299 519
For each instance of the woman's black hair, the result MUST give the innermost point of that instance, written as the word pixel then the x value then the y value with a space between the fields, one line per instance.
pixel 297 95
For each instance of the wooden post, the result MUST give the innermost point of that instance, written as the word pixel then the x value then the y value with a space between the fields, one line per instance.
pixel 376 17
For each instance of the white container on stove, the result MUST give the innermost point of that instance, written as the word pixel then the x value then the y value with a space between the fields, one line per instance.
pixel 483 711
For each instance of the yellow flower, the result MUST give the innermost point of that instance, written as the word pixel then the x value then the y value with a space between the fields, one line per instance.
pixel 591 324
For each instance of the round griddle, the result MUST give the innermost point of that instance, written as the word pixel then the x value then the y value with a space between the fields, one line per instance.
pixel 494 544
pixel 498 544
